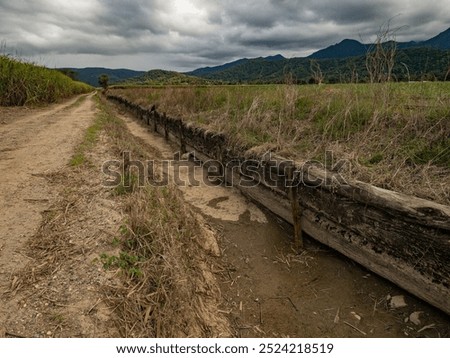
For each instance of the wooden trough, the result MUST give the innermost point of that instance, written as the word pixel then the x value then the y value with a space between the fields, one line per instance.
pixel 401 238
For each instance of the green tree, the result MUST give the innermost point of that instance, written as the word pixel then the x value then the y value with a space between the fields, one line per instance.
pixel 103 81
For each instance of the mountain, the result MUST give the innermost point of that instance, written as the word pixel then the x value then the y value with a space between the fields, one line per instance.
pixel 350 48
pixel 274 58
pixel 441 41
pixel 345 48
pixel 90 74
pixel 208 71
pixel 342 62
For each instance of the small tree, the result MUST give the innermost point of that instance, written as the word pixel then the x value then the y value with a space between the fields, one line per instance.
pixel 446 78
pixel 103 81
pixel 316 72
pixel 380 57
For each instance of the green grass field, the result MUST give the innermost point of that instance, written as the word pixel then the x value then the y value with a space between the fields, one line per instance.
pixel 23 83
pixel 394 135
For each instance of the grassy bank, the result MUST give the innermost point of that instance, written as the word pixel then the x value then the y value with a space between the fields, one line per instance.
pixel 167 288
pixel 393 135
pixel 23 83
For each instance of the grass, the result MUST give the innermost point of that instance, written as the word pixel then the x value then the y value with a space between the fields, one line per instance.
pixel 103 120
pixel 89 140
pixel 127 263
pixel 23 83
pixel 393 135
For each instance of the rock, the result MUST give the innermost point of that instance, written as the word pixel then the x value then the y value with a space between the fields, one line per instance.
pixel 414 318
pixel 397 302
pixel 356 316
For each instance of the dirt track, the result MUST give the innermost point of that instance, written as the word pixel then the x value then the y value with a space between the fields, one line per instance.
pixel 29 148
pixel 267 290
pixel 32 143
pixel 35 148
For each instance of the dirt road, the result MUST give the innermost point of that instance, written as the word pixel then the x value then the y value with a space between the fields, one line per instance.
pixel 32 143
pixel 35 148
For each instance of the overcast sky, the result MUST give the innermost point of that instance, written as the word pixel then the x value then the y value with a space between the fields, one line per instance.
pixel 187 34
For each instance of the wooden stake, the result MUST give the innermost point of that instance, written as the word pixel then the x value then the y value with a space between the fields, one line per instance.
pixel 182 142
pixel 296 210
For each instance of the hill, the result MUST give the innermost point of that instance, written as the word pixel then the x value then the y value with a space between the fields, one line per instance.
pixel 90 75
pixel 206 71
pixel 163 77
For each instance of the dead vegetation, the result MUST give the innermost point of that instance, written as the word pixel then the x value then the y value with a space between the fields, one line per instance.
pixel 136 265
pixel 169 290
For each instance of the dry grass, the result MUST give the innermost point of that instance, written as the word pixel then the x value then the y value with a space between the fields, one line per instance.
pixel 393 135
pixel 169 290
pixel 50 246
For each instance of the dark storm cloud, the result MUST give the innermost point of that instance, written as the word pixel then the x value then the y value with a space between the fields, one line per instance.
pixel 131 18
pixel 352 11
pixel 184 34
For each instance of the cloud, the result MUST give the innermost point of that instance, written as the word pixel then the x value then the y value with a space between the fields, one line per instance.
pixel 185 34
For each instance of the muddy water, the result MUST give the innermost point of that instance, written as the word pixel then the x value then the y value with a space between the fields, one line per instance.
pixel 270 290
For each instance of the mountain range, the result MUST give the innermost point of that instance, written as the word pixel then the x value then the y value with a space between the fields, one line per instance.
pixel 339 63
pixel 342 62
pixel 348 48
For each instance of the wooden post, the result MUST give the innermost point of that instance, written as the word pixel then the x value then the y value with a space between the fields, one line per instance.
pixel 155 121
pixel 295 207
pixel 166 131
pixel 182 142
pixel 222 170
